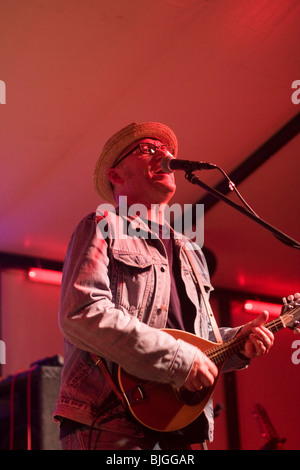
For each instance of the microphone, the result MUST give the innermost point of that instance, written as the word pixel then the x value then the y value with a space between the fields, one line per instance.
pixel 169 164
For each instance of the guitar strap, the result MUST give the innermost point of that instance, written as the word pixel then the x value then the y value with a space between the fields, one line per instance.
pixel 98 362
pixel 205 299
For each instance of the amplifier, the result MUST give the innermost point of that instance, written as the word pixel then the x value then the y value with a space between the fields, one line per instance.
pixel 27 401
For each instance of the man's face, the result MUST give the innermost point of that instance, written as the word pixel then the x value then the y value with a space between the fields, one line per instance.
pixel 140 178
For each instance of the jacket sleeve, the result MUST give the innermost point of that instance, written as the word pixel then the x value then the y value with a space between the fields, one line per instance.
pixel 237 361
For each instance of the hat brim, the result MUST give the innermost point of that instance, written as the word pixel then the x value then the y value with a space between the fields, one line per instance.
pixel 119 142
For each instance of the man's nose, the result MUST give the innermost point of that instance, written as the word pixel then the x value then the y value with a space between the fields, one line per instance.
pixel 162 152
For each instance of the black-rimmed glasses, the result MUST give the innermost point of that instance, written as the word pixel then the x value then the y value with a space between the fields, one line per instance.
pixel 147 148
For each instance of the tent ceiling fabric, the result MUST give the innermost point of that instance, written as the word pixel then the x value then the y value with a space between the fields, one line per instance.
pixel 220 73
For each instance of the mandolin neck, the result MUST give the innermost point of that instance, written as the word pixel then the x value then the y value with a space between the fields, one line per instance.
pixel 221 352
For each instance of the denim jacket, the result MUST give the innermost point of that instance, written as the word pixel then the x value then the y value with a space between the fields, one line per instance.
pixel 114 304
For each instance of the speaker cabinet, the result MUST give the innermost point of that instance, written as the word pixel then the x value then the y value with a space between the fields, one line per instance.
pixel 27 401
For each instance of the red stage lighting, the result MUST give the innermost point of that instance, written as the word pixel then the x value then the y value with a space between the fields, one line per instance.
pixel 256 307
pixel 46 276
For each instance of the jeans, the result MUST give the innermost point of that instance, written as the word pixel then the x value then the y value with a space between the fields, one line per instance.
pixel 81 437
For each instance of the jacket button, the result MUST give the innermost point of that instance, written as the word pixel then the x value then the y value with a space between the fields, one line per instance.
pixel 162 269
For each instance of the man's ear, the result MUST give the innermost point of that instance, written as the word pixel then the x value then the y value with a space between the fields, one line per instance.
pixel 114 176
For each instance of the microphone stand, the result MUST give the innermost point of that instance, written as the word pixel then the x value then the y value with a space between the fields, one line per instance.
pixel 277 233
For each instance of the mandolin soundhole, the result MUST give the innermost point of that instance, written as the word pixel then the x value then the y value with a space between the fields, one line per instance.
pixel 192 398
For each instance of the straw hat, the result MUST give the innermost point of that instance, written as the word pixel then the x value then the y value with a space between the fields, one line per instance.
pixel 119 142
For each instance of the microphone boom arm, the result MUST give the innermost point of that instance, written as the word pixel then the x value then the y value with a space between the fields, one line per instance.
pixel 193 179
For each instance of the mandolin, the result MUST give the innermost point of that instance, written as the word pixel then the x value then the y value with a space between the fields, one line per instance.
pixel 163 407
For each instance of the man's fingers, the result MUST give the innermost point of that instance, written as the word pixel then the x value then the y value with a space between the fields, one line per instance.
pixel 202 374
pixel 261 319
pixel 259 346
pixel 260 338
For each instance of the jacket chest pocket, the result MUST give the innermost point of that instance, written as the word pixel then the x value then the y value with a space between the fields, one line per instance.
pixel 133 281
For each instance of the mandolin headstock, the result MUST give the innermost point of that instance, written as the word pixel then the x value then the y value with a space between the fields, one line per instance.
pixel 290 314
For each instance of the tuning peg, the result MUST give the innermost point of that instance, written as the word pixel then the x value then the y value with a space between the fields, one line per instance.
pixel 296 327
pixel 290 302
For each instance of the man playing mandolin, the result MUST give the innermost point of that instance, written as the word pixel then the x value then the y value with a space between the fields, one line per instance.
pixel 127 279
